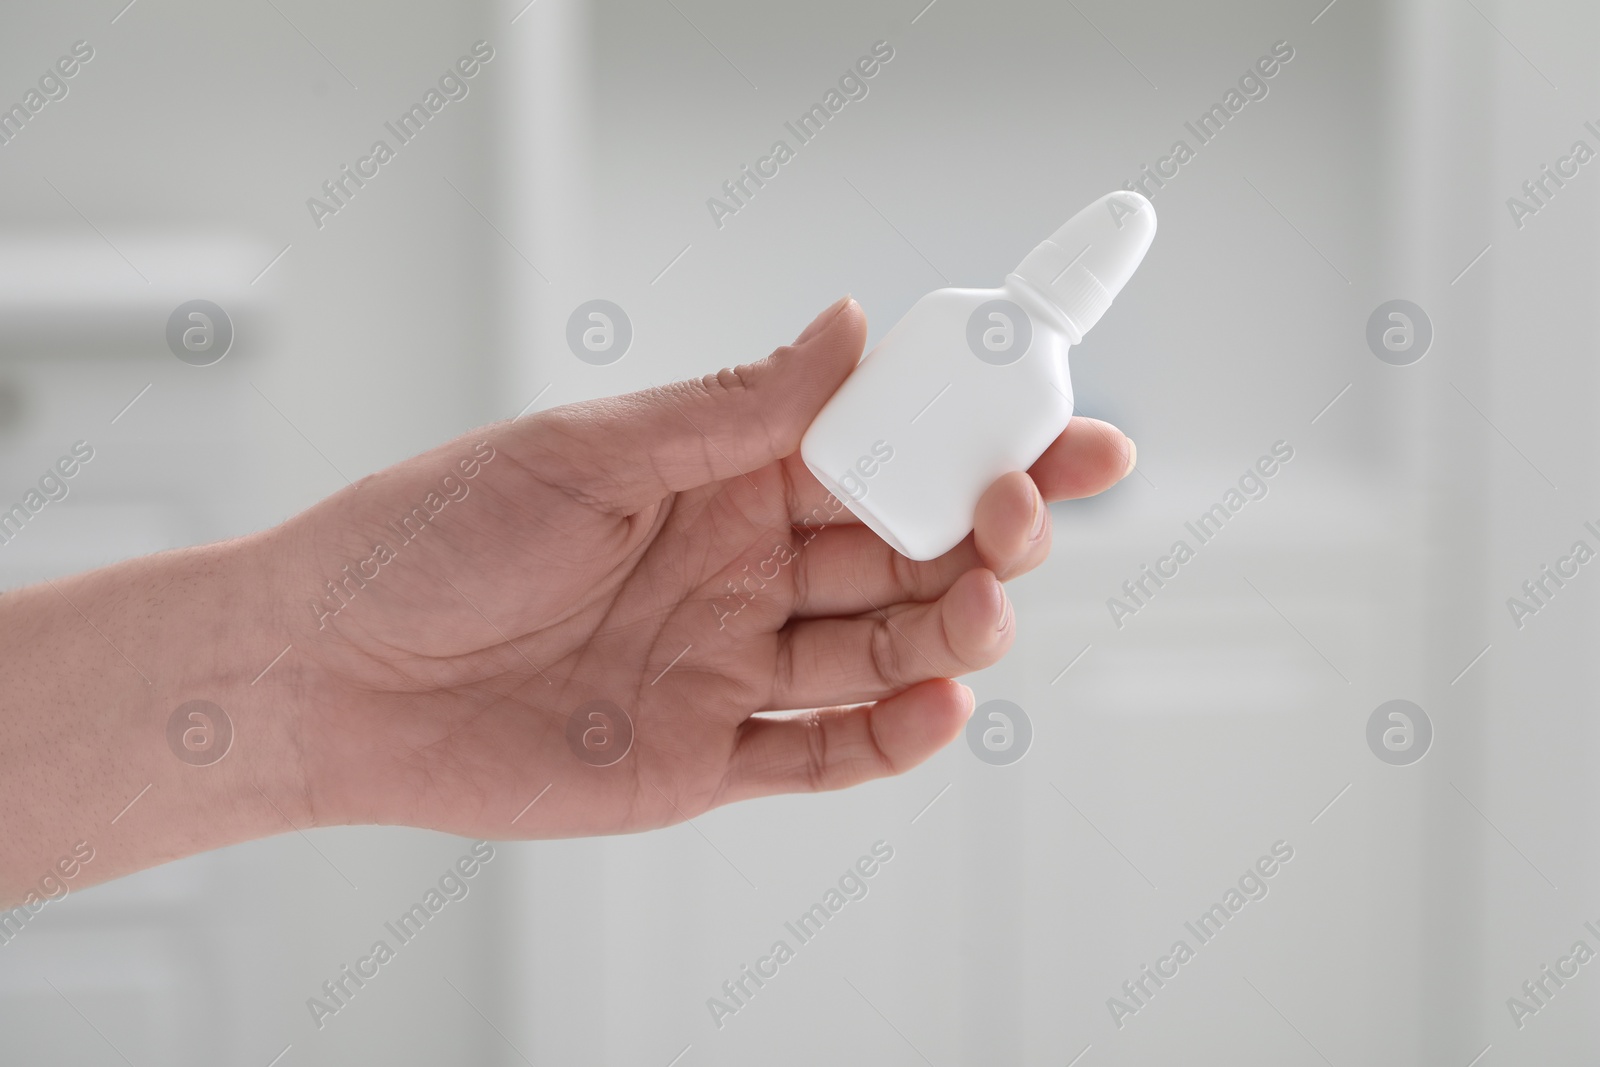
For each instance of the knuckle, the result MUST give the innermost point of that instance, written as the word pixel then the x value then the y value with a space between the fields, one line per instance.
pixel 878 755
pixel 802 572
pixel 816 770
pixel 903 573
pixel 730 379
pixel 888 656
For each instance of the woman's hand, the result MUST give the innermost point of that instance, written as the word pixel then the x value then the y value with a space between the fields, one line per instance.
pixel 660 567
pixel 593 608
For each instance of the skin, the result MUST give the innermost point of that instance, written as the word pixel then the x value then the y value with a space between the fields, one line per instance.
pixel 589 559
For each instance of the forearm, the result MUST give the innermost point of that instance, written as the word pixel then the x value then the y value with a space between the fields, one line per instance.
pixel 94 668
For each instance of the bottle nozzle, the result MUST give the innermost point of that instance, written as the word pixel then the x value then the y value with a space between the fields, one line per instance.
pixel 1085 263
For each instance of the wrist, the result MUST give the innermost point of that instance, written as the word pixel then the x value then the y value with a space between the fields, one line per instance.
pixel 256 667
pixel 223 694
pixel 139 722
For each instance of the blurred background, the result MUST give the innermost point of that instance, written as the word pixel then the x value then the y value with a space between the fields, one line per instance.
pixel 1164 752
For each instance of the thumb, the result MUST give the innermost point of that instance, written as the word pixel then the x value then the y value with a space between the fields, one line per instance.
pixel 678 436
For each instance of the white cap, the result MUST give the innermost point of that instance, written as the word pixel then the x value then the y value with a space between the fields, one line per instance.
pixel 1085 263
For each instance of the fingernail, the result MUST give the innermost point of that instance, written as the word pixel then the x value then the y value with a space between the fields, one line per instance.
pixel 1133 458
pixel 972 700
pixel 822 320
pixel 1005 612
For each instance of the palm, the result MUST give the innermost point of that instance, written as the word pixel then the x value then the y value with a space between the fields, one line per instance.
pixel 590 575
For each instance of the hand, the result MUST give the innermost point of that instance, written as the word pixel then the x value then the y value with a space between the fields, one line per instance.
pixel 605 551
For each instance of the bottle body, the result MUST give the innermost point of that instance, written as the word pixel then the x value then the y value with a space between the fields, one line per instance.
pixel 970 385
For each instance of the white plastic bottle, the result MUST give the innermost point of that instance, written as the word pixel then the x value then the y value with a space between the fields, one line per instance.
pixel 972 383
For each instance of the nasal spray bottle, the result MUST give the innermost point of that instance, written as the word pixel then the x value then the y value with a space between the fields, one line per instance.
pixel 972 383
